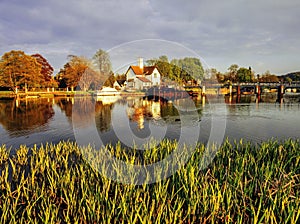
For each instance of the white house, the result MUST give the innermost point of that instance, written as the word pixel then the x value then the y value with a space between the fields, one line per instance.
pixel 142 77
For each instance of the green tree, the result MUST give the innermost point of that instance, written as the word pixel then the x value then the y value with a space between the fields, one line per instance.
pixel 19 69
pixel 163 58
pixel 289 80
pixel 176 71
pixel 162 64
pixel 244 75
pixel 179 70
pixel 191 68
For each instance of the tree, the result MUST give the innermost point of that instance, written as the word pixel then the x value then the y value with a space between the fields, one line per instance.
pixel 179 70
pixel 19 69
pixel 289 80
pixel 163 58
pixel 232 73
pixel 102 61
pixel 192 68
pixel 163 65
pixel 268 77
pixel 74 70
pixel 103 64
pixel 47 69
pixel 110 80
pixel 244 75
pixel 88 79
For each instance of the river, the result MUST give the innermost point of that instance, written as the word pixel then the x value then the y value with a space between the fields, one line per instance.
pixel 135 120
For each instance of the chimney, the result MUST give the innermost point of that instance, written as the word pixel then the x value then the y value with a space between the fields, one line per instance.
pixel 141 63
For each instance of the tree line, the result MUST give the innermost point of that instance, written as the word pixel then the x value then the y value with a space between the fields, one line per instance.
pixel 21 71
pixel 237 74
pixel 182 71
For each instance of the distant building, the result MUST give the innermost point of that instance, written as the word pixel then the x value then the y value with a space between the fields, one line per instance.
pixel 142 77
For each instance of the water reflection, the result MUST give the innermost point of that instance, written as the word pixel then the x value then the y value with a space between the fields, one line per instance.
pixel 39 120
pixel 65 105
pixel 103 116
pixel 137 119
pixel 252 98
pixel 22 115
pixel 139 110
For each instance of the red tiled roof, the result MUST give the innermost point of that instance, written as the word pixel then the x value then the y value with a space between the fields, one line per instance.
pixel 147 70
pixel 143 79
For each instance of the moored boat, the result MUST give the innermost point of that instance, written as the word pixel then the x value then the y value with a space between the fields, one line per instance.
pixel 107 91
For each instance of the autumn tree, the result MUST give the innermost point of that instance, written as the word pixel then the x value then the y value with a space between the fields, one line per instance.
pixel 47 69
pixel 232 73
pixel 89 79
pixel 19 69
pixel 268 77
pixel 110 80
pixel 213 75
pixel 74 70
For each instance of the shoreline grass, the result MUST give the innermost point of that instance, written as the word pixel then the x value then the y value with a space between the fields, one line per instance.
pixel 243 184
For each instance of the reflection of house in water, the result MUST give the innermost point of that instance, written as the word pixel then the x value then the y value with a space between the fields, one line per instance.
pixel 140 110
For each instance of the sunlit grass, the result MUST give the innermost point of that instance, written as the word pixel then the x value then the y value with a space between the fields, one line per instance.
pixel 243 184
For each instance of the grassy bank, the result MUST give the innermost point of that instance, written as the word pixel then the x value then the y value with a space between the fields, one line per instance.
pixel 10 94
pixel 244 184
pixel 32 94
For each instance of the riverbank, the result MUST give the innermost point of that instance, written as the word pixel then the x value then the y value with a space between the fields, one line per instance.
pixel 11 95
pixel 243 184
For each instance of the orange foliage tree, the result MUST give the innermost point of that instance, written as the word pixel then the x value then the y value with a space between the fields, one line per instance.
pixel 46 71
pixel 19 70
pixel 77 72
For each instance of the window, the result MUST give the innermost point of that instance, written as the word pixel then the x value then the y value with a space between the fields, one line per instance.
pixel 155 75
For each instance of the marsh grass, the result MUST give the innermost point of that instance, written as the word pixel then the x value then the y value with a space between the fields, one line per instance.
pixel 243 184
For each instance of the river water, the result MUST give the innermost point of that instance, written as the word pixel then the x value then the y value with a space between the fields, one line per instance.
pixel 135 120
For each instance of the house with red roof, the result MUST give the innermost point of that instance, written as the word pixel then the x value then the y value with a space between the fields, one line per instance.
pixel 142 77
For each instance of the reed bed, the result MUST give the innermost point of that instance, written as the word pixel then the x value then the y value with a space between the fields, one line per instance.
pixel 243 184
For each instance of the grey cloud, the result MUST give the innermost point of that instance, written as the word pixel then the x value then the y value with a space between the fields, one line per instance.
pixel 239 31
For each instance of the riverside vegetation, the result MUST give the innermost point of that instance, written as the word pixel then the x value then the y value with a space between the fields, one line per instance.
pixel 243 184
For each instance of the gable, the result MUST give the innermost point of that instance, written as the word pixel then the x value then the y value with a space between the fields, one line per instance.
pixel 130 73
pixel 147 70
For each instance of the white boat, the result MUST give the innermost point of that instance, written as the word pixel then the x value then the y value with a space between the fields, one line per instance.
pixel 107 100
pixel 107 91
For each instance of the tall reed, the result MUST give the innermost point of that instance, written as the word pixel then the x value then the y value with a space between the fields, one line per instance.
pixel 243 184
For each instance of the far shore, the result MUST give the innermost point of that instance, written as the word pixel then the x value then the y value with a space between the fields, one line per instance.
pixel 35 94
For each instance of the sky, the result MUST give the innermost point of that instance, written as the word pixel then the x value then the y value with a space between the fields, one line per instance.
pixel 262 34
